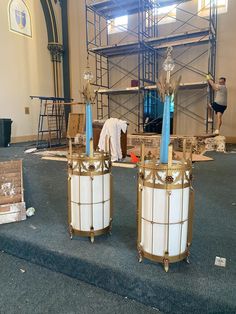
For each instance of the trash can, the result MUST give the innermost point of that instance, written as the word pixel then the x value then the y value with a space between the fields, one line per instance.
pixel 5 132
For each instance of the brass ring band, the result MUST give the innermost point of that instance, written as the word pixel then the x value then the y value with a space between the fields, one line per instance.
pixel 90 233
pixel 166 223
pixel 163 167
pixel 91 203
pixel 89 173
pixel 171 259
pixel 165 186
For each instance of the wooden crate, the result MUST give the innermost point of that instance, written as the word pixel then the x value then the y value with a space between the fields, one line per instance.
pixel 12 205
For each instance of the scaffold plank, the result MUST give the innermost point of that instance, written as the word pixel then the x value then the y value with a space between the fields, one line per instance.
pixel 111 9
pixel 133 90
pixel 187 38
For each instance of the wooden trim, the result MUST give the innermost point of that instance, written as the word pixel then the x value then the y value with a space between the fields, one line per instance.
pixel 230 139
pixel 26 138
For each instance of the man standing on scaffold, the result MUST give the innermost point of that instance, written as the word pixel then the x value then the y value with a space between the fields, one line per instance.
pixel 220 103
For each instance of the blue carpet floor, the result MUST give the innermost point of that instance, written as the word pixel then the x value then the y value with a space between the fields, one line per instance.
pixel 111 262
pixel 26 288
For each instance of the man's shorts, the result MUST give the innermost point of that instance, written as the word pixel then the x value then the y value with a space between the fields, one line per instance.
pixel 218 108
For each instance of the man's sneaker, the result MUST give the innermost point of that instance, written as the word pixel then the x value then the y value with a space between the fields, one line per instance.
pixel 217 132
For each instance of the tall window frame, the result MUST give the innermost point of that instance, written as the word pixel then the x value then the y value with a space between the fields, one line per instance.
pixel 118 24
pixel 204 7
pixel 162 15
pixel 166 14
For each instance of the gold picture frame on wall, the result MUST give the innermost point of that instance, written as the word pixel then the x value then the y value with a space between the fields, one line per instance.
pixel 19 18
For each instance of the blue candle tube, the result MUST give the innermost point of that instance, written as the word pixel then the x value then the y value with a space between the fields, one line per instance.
pixel 89 127
pixel 165 136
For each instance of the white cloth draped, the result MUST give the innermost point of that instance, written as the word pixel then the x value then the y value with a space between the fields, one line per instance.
pixel 112 130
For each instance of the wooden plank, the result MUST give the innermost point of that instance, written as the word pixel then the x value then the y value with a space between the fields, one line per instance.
pixel 124 164
pixel 11 164
pixel 16 190
pixel 11 173
pixel 4 209
pixel 195 157
pixel 16 183
pixel 54 158
pixel 10 200
pixel 12 212
pixel 9 169
pixel 76 124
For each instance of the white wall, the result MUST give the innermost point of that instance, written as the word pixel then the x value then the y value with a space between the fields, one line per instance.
pixel 25 70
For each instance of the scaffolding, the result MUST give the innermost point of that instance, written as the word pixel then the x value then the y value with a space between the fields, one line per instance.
pixel 123 95
pixel 51 122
